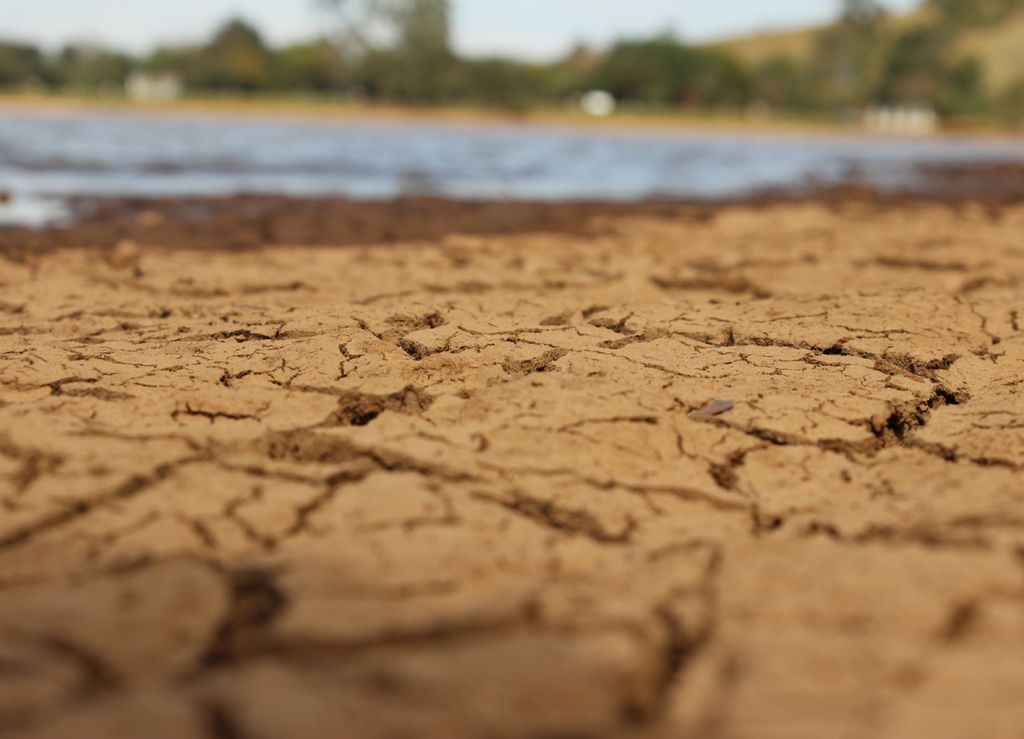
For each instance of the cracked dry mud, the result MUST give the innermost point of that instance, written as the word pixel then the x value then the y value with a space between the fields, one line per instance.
pixel 480 487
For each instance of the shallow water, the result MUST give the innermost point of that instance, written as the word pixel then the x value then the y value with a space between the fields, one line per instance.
pixel 47 155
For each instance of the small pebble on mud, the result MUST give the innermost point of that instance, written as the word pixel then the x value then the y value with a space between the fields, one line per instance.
pixel 714 408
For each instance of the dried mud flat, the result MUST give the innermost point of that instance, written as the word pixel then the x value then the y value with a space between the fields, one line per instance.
pixel 756 475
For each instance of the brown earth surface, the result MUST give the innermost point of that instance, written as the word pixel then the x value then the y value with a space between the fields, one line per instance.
pixel 737 473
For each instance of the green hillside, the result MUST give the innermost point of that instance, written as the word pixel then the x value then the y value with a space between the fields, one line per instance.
pixel 796 44
pixel 999 47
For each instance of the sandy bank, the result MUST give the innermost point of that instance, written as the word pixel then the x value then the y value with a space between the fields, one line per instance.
pixel 328 110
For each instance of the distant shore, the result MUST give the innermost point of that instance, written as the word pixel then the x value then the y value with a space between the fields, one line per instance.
pixel 327 109
pixel 313 108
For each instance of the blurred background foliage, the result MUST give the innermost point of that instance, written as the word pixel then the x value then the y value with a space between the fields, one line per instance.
pixel 399 51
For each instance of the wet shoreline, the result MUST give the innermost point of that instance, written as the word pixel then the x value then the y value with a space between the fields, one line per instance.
pixel 241 222
pixel 50 161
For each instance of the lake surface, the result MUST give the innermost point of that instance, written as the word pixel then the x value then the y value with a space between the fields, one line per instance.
pixel 44 156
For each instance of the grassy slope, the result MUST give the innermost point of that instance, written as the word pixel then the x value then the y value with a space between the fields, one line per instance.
pixel 796 44
pixel 1000 48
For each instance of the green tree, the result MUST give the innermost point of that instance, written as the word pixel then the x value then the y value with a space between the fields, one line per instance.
pixel 236 58
pixel 963 91
pixel 355 20
pixel 501 83
pixel 86 67
pixel 20 64
pixel 914 69
pixel 783 82
pixel 422 26
pixel 401 24
pixel 180 60
pixel 847 54
pixel 662 71
pixel 401 46
pixel 424 58
pixel 860 12
pixel 919 71
pixel 316 65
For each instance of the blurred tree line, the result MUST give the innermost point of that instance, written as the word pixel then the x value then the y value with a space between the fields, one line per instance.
pixel 400 51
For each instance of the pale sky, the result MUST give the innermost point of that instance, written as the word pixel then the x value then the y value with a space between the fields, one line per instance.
pixel 527 28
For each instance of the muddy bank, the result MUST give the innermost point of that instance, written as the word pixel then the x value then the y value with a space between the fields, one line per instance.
pixel 253 221
pixel 745 472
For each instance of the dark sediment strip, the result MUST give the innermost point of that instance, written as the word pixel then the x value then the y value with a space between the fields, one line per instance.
pixel 240 222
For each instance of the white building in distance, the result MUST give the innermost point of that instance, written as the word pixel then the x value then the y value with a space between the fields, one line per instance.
pixel 901 120
pixel 153 88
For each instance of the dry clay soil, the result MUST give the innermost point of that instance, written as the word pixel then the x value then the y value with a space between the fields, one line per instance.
pixel 479 487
